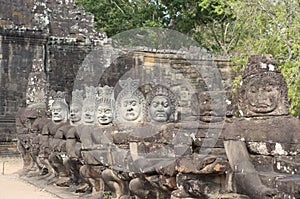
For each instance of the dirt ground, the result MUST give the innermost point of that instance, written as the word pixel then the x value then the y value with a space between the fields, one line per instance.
pixel 13 187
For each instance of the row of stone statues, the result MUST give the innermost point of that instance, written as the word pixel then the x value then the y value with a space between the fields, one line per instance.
pixel 78 146
pixel 136 147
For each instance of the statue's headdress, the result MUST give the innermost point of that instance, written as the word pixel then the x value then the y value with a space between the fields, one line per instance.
pixel 105 95
pixel 77 97
pixel 90 96
pixel 59 98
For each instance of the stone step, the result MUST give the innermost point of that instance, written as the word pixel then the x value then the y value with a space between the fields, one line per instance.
pixel 9 149
pixel 217 196
pixel 288 185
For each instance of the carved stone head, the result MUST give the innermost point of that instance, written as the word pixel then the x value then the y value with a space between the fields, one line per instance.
pixel 130 102
pixel 88 109
pixel 209 106
pixel 76 106
pixel 161 104
pixel 59 108
pixel 263 90
pixel 105 105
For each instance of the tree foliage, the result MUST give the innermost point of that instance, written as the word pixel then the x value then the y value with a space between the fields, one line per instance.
pixel 235 27
pixel 115 16
pixel 272 27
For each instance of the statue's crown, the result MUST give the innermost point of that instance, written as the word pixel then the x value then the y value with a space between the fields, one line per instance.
pixel 60 96
pixel 129 85
pixel 90 92
pixel 77 97
pixel 160 90
pixel 105 95
pixel 258 64
pixel 90 95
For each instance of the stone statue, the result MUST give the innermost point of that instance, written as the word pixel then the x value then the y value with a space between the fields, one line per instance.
pixel 262 101
pixel 211 107
pixel 130 102
pixel 73 144
pixel 36 128
pixel 88 110
pixel 263 89
pixel 91 170
pixel 52 140
pixel 76 107
pixel 200 171
pixel 25 118
pixel 105 105
pixel 59 108
pixel 130 108
pixel 154 181
pixel 161 104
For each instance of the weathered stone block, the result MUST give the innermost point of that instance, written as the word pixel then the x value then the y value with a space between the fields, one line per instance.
pixel 289 186
pixel 287 164
pixel 262 162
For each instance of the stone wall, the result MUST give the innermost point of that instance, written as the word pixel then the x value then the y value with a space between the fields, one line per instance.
pixel 53 35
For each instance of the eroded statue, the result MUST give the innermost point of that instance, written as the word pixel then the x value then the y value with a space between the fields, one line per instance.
pixel 157 178
pixel 262 105
pixel 201 170
pixel 52 139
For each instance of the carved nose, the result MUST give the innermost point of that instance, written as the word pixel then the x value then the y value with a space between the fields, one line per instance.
pixel 160 108
pixel 261 97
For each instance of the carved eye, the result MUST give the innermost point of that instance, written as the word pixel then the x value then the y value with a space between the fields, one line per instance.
pixel 268 89
pixel 107 111
pixel 253 90
pixel 125 104
pixel 133 103
pixel 154 104
pixel 165 104
pixel 205 101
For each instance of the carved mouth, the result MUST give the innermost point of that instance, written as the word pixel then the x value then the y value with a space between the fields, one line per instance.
pixel 57 117
pixel 74 119
pixel 210 113
pixel 263 105
pixel 160 115
pixel 102 119
pixel 130 114
pixel 88 117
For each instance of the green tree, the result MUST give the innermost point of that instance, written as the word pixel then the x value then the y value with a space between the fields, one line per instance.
pixel 272 27
pixel 115 16
pixel 209 22
pixel 236 27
